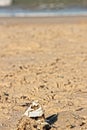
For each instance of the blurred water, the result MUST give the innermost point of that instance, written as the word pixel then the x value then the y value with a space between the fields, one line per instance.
pixel 41 13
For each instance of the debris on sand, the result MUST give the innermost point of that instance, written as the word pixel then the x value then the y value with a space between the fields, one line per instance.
pixel 34 119
pixel 35 110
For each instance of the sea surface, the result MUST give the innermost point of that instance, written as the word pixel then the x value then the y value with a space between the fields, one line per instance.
pixel 6 12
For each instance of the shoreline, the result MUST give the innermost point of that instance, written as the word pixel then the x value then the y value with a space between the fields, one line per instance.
pixel 39 20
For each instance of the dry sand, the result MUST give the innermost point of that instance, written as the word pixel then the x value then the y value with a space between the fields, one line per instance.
pixel 45 62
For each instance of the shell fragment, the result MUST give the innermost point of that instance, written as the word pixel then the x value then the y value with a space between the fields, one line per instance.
pixel 35 110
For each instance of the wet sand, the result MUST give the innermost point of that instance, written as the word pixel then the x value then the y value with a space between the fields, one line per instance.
pixel 43 20
pixel 44 60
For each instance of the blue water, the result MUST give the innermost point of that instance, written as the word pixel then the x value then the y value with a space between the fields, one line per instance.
pixel 6 12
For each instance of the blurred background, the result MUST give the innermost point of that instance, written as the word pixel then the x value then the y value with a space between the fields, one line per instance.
pixel 44 4
pixel 25 8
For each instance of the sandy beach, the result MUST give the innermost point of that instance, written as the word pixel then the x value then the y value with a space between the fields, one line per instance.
pixel 45 60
